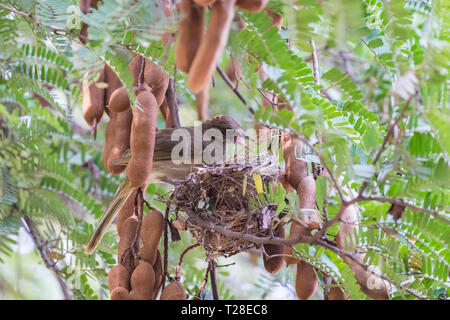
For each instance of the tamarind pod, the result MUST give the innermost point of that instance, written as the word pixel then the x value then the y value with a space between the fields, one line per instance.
pixel 277 20
pixel 212 45
pixel 142 139
pixel 274 264
pixel 142 281
pixel 335 293
pixel 113 82
pixel 157 80
pixel 151 232
pixel 85 7
pixel 130 228
pixel 295 169
pixel 296 230
pixel 201 102
pixel 119 101
pixel 233 71
pixel 117 139
pixel 127 209
pixel 306 281
pixel 158 268
pixel 285 183
pixel 306 191
pixel 372 285
pixel 120 293
pixel 174 291
pixel 204 3
pixel 93 100
pixel 118 276
pixel 190 31
pixel 165 111
pixel 252 5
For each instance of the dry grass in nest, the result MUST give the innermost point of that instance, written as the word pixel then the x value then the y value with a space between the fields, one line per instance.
pixel 225 195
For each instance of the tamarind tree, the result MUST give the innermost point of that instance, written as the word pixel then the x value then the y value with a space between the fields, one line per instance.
pixel 359 90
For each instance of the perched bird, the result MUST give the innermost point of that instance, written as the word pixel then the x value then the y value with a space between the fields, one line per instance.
pixel 164 169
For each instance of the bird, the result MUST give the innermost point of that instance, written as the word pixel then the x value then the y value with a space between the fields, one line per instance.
pixel 163 168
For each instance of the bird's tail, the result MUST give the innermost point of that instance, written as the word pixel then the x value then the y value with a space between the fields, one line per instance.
pixel 122 194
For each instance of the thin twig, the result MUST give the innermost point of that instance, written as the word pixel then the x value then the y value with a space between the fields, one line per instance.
pixel 314 62
pixel 212 276
pixel 233 88
pixel 49 263
pixel 180 261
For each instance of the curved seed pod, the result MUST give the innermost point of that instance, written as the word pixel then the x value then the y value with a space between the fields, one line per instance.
pixel 130 227
pixel 212 45
pixel 306 191
pixel 201 102
pixel 158 268
pixel 296 230
pixel 127 210
pixel 119 101
pixel 306 281
pixel 204 3
pixel 174 291
pixel 142 138
pixel 335 293
pixel 371 285
pixel 234 72
pixel 274 264
pixel 252 5
pixel 164 108
pixel 190 31
pixel 151 232
pixel 285 183
pixel 142 281
pixel 117 139
pixel 295 169
pixel 277 20
pixel 157 80
pixel 93 100
pixel 113 81
pixel 120 293
pixel 118 277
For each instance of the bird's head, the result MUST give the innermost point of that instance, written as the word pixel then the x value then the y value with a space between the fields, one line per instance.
pixel 224 123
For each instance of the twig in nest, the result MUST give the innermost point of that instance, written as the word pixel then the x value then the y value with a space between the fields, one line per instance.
pixel 180 261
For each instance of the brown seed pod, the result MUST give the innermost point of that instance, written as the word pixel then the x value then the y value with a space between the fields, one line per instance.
pixel 295 169
pixel 158 268
pixel 113 82
pixel 157 80
pixel 252 5
pixel 142 138
pixel 190 32
pixel 130 227
pixel 285 183
pixel 119 101
pixel 306 281
pixel 274 264
pixel 234 71
pixel 85 7
pixel 174 291
pixel 335 293
pixel 201 102
pixel 277 20
pixel 120 293
pixel 212 45
pixel 204 3
pixel 118 276
pixel 93 100
pixel 128 210
pixel 117 139
pixel 296 230
pixel 164 108
pixel 306 191
pixel 151 232
pixel 142 281
pixel 370 284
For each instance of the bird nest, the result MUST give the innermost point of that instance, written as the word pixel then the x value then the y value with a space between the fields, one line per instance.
pixel 221 202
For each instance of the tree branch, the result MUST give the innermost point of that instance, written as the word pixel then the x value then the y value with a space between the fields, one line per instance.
pixel 233 88
pixel 212 275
